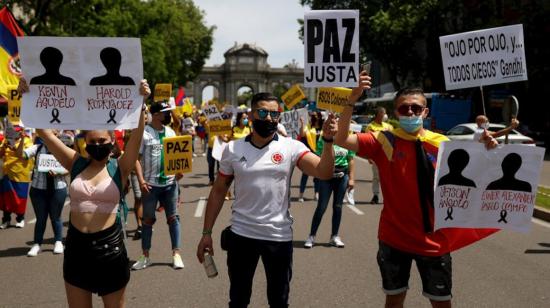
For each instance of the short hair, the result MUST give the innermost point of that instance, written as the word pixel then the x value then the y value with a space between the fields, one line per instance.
pixel 409 91
pixel 262 96
pixel 481 119
pixel 380 109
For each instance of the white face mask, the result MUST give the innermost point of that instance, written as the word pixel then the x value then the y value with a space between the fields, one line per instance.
pixel 485 125
pixel 385 118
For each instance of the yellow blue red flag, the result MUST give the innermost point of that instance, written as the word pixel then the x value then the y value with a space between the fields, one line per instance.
pixel 10 70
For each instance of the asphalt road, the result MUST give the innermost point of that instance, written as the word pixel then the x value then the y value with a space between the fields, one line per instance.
pixel 506 270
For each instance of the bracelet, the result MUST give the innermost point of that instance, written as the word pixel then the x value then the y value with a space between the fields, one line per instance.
pixel 327 140
pixel 207 232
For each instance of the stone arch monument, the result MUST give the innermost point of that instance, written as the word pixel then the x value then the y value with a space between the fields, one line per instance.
pixel 245 65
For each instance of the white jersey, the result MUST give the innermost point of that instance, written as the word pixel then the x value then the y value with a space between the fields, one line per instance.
pixel 262 186
pixel 152 156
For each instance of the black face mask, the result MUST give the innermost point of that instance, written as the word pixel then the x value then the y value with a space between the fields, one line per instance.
pixel 264 128
pixel 167 119
pixel 99 151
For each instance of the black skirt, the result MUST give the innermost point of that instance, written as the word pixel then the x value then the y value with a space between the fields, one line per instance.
pixel 96 262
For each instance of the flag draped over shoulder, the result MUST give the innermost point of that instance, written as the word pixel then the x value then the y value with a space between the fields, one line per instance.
pixel 9 54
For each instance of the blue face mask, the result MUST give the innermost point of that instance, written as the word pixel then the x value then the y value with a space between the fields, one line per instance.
pixel 410 124
pixel 245 122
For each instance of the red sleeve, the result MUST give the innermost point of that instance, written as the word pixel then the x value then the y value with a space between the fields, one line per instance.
pixel 367 144
pixel 301 156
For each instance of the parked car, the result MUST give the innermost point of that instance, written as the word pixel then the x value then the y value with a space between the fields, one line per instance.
pixel 465 132
pixel 362 120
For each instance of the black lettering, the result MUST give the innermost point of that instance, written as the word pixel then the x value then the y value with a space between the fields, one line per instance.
pixel 314 37
pixel 331 45
pixel 347 55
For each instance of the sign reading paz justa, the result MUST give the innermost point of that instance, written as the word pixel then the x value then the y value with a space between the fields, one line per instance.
pixel 14 105
pixel 48 162
pixel 477 188
pixel 81 82
pixel 333 99
pixel 484 57
pixel 178 155
pixel 293 96
pixel 331 48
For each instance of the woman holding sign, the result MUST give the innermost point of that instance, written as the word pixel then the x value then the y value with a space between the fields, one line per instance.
pixel 95 259
pixel 48 193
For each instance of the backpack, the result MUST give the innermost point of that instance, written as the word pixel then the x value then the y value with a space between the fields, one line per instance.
pixel 114 172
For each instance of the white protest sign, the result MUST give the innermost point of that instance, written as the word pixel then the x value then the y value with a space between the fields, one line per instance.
pixel 484 57
pixel 81 82
pixel 331 48
pixel 212 112
pixel 47 162
pixel 218 148
pixel 291 120
pixel 356 128
pixel 9 132
pixel 477 188
pixel 187 124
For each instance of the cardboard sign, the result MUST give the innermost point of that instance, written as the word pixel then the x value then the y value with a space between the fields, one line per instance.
pixel 163 91
pixel 220 127
pixel 293 96
pixel 484 57
pixel 212 113
pixel 218 148
pixel 331 45
pixel 333 99
pixel 291 120
pixel 48 162
pixel 477 188
pixel 9 132
pixel 178 155
pixel 81 82
pixel 14 105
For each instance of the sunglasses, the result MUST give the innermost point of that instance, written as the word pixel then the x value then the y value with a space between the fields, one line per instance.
pixel 416 109
pixel 262 113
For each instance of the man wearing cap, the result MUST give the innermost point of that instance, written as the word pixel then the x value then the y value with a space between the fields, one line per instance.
pixel 156 186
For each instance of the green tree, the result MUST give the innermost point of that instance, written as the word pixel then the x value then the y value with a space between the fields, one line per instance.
pixel 174 38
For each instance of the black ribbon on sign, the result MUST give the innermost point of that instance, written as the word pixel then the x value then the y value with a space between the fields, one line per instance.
pixel 449 213
pixel 503 215
pixel 55 116
pixel 112 115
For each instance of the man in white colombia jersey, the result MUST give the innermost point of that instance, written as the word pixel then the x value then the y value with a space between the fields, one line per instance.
pixel 261 226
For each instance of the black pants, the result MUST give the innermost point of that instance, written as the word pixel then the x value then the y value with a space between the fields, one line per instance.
pixel 211 164
pixel 242 258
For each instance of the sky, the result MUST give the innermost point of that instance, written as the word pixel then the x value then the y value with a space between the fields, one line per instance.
pixel 271 25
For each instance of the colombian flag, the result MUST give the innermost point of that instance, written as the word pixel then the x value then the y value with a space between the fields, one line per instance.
pixel 183 105
pixel 9 54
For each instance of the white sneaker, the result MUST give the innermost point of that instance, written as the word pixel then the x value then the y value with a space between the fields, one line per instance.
pixel 336 241
pixel 309 242
pixel 301 200
pixel 33 252
pixel 58 247
pixel 20 224
pixel 316 197
pixel 194 155
pixel 177 261
pixel 350 196
pixel 141 263
pixel 5 225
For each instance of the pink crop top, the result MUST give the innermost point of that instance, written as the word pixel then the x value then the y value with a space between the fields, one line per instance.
pixel 85 198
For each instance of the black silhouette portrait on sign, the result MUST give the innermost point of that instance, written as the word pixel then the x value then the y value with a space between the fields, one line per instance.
pixel 510 165
pixel 51 58
pixel 457 161
pixel 111 59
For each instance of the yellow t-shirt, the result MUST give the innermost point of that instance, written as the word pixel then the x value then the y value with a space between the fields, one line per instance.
pixel 18 169
pixel 375 127
pixel 239 133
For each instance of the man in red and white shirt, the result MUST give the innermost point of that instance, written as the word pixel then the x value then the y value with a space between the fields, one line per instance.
pixel 261 225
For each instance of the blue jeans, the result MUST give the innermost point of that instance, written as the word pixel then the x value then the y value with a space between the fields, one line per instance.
pixel 46 203
pixel 168 197
pixel 326 187
pixel 211 165
pixel 303 183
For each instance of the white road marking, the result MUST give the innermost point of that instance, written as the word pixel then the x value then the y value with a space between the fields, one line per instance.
pixel 541 222
pixel 200 207
pixel 354 209
pixel 30 222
